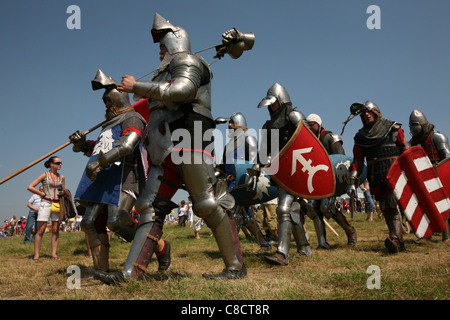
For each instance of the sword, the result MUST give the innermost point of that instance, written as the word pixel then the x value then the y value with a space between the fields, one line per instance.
pixel 48 154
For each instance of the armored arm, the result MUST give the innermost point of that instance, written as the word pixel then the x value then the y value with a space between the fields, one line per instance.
pixel 355 169
pixel 251 149
pixel 352 181
pixel 296 116
pixel 335 144
pixel 187 74
pixel 264 154
pixel 124 146
pixel 235 43
pixel 80 144
pixel 440 140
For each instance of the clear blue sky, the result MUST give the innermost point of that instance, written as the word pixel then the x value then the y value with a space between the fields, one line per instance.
pixel 320 50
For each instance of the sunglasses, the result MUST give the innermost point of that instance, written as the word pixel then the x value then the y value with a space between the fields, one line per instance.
pixel 57 163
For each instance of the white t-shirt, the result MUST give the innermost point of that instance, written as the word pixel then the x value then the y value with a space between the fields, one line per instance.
pixel 183 210
pixel 35 201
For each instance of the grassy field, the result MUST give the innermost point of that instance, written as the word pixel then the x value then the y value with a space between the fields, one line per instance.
pixel 420 273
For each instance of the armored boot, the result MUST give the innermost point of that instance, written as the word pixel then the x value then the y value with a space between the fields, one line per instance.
pixel 225 233
pixel 319 227
pixel 144 245
pixel 100 253
pixel 281 256
pixel 313 214
pixel 395 242
pixel 303 247
pixel 137 261
pixel 253 226
pixel 349 230
pixel 209 198
pixel 94 226
pixel 163 257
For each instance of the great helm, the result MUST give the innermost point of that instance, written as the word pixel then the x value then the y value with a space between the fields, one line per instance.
pixel 120 100
pixel 276 92
pixel 174 38
pixel 417 121
pixel 238 119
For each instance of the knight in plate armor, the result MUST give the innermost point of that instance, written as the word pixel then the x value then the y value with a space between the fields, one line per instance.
pixel 433 142
pixel 242 148
pixel 317 209
pixel 179 98
pixel 115 173
pixel 284 119
pixel 380 141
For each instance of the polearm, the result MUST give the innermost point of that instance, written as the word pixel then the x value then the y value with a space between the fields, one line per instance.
pixel 48 154
pixel 331 228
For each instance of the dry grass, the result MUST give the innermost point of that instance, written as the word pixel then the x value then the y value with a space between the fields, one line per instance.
pixel 421 273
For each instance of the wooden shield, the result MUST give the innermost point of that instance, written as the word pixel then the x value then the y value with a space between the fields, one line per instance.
pixel 419 191
pixel 303 167
pixel 443 169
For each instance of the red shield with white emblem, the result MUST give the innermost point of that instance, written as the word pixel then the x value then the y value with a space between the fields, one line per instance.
pixel 303 167
pixel 419 191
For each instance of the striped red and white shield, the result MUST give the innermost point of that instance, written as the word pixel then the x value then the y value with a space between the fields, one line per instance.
pixel 419 192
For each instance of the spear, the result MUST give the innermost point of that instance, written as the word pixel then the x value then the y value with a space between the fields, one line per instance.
pixel 48 154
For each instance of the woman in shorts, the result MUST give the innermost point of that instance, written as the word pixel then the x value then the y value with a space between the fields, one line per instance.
pixel 54 184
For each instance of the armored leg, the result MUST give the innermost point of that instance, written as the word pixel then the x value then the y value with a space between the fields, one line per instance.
pixel 199 179
pixel 119 220
pixel 328 209
pixel 147 233
pixel 285 225
pixel 394 243
pixel 93 221
pixel 238 218
pixel 344 224
pixel 252 225
pixel 303 247
pixel 313 214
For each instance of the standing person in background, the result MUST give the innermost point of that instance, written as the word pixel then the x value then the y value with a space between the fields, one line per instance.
pixel 13 226
pixel 182 214
pixel 369 202
pixel 266 216
pixel 6 228
pixel 21 225
pixel 196 222
pixel 54 185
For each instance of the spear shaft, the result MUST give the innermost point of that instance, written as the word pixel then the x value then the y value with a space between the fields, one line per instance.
pixel 47 155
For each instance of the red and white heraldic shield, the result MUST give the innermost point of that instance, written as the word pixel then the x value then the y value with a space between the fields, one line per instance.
pixel 419 191
pixel 443 169
pixel 303 167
